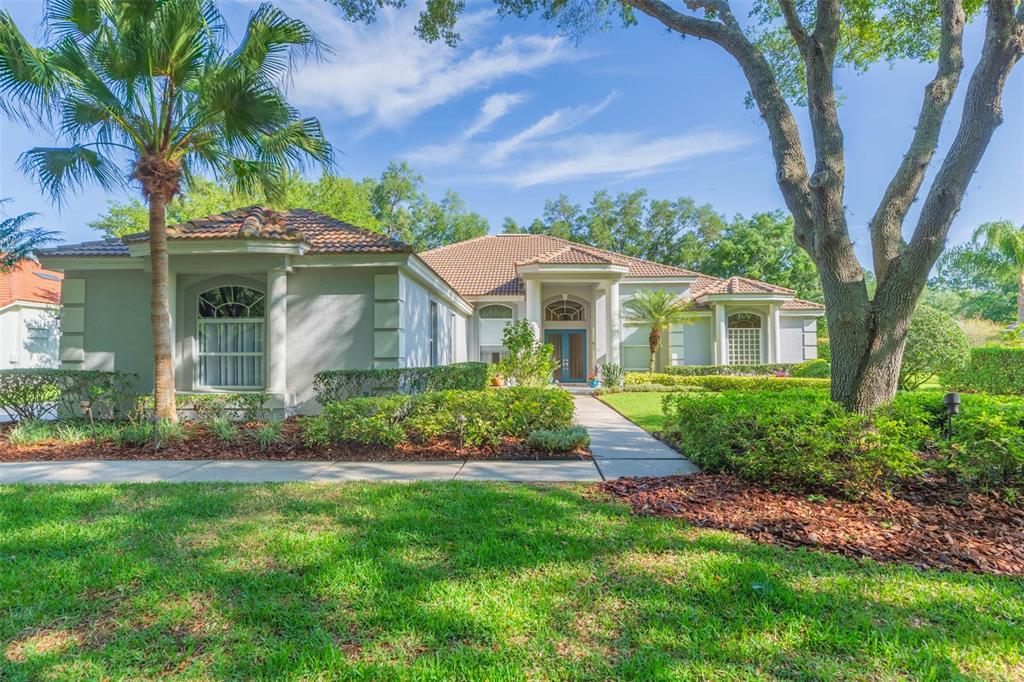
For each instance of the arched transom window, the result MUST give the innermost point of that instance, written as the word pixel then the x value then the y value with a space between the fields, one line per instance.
pixel 495 312
pixel 564 311
pixel 745 339
pixel 230 332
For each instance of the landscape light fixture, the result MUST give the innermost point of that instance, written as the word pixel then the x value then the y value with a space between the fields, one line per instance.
pixel 952 403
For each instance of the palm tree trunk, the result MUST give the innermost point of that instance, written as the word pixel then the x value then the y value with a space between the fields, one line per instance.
pixel 654 341
pixel 163 359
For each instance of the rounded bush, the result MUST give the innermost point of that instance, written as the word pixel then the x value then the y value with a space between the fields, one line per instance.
pixel 935 344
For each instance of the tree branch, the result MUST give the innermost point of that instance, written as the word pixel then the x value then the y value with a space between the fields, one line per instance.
pixel 795 26
pixel 790 163
pixel 982 114
pixel 887 224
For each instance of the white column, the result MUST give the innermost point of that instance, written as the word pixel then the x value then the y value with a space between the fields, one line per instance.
pixel 613 320
pixel 775 334
pixel 533 311
pixel 277 330
pixel 723 335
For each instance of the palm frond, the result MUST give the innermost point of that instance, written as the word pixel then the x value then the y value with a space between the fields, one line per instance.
pixel 60 170
pixel 18 242
pixel 28 75
pixel 269 36
pixel 74 18
pixel 298 141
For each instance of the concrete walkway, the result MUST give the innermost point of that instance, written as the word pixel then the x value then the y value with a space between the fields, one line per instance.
pixel 619 447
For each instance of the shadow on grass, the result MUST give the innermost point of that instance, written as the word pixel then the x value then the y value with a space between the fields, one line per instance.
pixel 454 580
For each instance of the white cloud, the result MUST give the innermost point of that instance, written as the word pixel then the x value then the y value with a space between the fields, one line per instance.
pixel 558 121
pixel 623 154
pixel 386 73
pixel 494 107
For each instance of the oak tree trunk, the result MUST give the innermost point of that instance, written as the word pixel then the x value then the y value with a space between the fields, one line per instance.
pixel 163 361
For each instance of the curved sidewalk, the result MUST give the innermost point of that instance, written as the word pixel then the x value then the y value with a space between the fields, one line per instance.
pixel 621 448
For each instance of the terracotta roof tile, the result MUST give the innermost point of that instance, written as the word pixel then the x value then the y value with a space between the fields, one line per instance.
pixel 486 266
pixel 321 233
pixel 27 282
pixel 741 285
pixel 800 304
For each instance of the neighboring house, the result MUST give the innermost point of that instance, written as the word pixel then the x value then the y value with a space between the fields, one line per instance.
pixel 29 322
pixel 263 299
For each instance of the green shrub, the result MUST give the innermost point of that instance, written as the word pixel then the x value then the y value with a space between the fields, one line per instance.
pixel 150 433
pixel 267 435
pixel 488 416
pixel 72 433
pixel 527 361
pixel 798 441
pixel 246 406
pixel 725 383
pixel 27 394
pixel 559 440
pixel 371 421
pixel 646 388
pixel 935 343
pixel 316 431
pixel 29 432
pixel 990 369
pixel 612 375
pixel 811 369
pixel 224 429
pixel 824 350
pixel 727 370
pixel 341 384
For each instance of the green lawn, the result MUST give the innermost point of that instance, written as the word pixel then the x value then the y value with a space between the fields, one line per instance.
pixel 457 581
pixel 643 409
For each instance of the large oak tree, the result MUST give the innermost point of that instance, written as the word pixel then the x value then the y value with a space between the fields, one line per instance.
pixel 789 52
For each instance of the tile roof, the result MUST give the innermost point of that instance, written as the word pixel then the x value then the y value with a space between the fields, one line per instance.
pixel 321 233
pixel 28 282
pixel 486 266
pixel 741 285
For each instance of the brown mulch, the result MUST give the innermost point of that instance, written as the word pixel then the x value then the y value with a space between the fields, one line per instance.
pixel 200 443
pixel 927 525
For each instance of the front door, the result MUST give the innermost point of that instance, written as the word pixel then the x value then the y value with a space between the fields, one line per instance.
pixel 571 354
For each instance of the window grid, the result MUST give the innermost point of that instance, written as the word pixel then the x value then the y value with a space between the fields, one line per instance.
pixel 564 311
pixel 744 346
pixel 230 337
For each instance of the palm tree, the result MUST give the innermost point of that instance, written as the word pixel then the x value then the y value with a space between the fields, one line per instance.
pixel 18 242
pixel 1003 243
pixel 153 86
pixel 659 310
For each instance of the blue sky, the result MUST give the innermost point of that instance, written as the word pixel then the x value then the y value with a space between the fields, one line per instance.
pixel 518 114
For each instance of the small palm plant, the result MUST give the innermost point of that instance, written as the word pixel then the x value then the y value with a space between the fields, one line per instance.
pixel 148 91
pixel 659 310
pixel 1003 244
pixel 17 242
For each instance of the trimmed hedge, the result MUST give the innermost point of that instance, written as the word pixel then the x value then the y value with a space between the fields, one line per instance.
pixel 991 369
pixel 27 394
pixel 800 440
pixel 341 384
pixel 247 406
pixel 474 417
pixel 559 440
pixel 726 383
pixel 812 369
pixel 727 370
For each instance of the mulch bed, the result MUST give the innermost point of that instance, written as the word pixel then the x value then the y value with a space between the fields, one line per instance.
pixel 200 443
pixel 928 525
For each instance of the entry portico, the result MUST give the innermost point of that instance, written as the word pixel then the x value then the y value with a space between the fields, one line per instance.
pixel 573 295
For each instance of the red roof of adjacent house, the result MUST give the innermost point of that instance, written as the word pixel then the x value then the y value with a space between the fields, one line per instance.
pixel 486 266
pixel 321 233
pixel 28 282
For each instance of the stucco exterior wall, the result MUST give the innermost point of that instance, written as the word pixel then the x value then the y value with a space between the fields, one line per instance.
pixel 110 328
pixel 697 342
pixel 416 326
pixel 29 336
pixel 799 339
pixel 330 324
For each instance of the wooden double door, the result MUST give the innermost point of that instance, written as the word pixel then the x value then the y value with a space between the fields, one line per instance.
pixel 570 352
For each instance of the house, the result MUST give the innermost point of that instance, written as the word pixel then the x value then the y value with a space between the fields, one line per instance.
pixel 29 322
pixel 263 299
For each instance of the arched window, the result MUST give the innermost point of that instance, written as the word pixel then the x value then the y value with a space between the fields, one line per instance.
pixel 564 311
pixel 230 330
pixel 745 339
pixel 495 312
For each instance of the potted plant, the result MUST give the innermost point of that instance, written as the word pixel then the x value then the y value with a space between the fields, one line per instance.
pixel 592 380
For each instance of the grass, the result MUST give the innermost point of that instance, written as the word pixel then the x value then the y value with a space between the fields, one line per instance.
pixel 436 581
pixel 643 409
